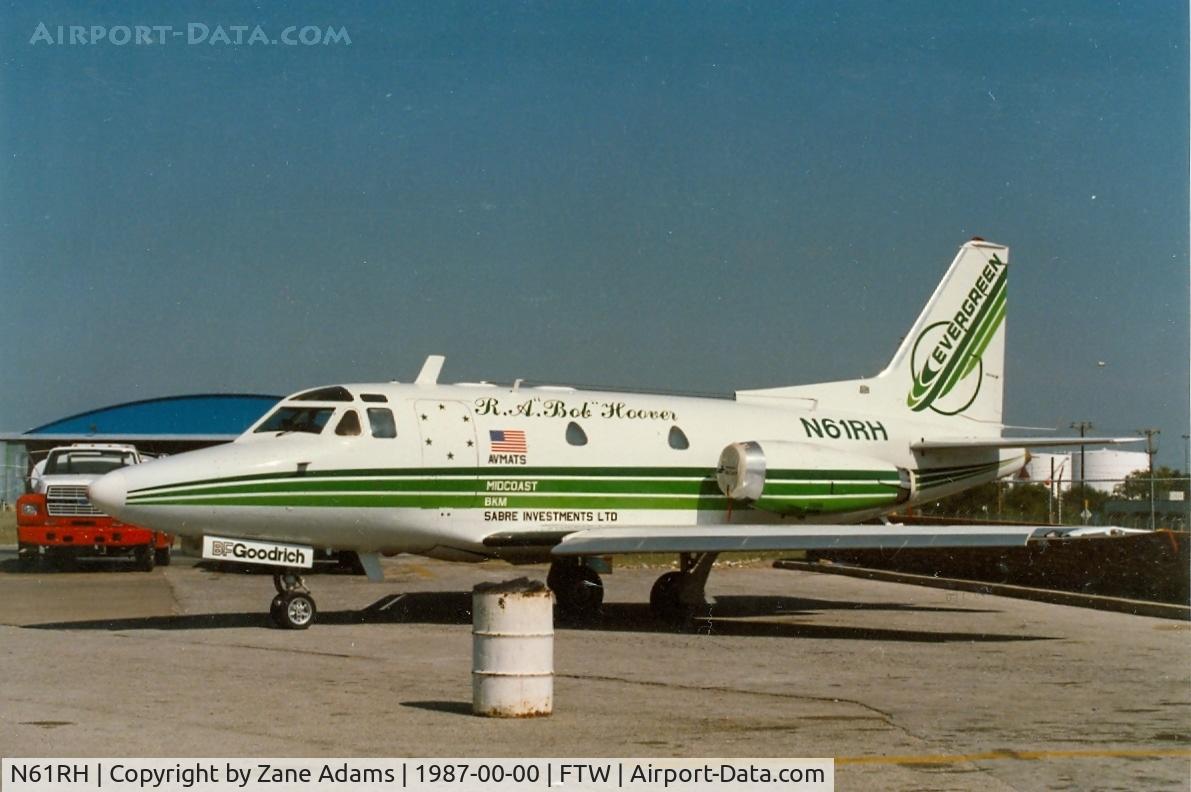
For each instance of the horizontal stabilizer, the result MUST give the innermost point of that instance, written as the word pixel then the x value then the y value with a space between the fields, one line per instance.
pixel 1017 442
pixel 730 538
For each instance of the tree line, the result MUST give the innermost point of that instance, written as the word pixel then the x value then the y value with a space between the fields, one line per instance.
pixel 1035 502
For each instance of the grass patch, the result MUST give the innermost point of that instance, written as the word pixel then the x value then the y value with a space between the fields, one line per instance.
pixel 670 560
pixel 8 527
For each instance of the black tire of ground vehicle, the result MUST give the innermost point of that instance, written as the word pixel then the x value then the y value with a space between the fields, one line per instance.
pixel 293 610
pixel 145 558
pixel 28 557
pixel 162 556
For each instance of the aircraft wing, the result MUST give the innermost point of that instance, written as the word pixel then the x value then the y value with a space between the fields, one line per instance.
pixel 729 538
pixel 1017 442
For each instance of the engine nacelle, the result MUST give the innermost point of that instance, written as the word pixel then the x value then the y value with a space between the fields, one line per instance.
pixel 800 478
pixel 741 471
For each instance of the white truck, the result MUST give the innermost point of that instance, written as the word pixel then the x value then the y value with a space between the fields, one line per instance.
pixel 56 518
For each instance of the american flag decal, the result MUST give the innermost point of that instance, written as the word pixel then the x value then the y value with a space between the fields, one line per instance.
pixel 508 441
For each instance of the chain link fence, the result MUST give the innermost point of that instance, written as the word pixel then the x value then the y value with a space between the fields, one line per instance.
pixel 1136 501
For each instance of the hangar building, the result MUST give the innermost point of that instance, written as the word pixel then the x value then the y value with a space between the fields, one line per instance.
pixel 156 426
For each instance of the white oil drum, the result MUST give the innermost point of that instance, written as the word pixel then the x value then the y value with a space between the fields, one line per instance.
pixel 512 649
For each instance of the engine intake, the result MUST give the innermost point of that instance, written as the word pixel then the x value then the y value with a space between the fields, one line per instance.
pixel 800 478
pixel 741 471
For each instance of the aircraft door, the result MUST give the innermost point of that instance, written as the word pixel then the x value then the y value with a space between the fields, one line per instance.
pixel 448 438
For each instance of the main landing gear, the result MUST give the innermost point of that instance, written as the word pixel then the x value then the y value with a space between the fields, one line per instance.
pixel 578 590
pixel 293 607
pixel 676 598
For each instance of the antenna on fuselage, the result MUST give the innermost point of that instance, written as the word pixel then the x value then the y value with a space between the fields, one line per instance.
pixel 430 370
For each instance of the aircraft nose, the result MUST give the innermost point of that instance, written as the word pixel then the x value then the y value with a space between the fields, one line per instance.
pixel 108 492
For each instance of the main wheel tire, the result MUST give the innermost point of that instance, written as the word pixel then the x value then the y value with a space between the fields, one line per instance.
pixel 296 612
pixel 162 556
pixel 145 558
pixel 578 591
pixel 665 602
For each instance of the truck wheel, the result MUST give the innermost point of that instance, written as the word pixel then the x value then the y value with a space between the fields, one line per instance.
pixel 28 557
pixel 162 556
pixel 145 558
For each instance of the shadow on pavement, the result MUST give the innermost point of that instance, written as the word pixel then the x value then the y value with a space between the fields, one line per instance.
pixel 731 616
pixel 109 564
pixel 449 707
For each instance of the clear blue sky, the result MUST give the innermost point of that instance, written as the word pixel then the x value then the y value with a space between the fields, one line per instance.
pixel 696 196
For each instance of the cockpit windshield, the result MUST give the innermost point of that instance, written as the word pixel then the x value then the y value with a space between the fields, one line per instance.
pixel 297 419
pixel 335 393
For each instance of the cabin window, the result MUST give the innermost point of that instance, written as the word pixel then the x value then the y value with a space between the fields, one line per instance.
pixel 677 439
pixel 575 434
pixel 373 397
pixel 381 421
pixel 297 419
pixel 349 425
pixel 335 393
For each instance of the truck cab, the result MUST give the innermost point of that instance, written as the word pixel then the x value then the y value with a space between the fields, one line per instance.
pixel 57 519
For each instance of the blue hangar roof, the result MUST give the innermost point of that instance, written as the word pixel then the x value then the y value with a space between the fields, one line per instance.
pixel 218 416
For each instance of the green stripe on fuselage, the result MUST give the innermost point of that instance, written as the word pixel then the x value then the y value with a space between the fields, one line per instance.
pixel 786 491
pixel 702 487
pixel 826 503
pixel 588 474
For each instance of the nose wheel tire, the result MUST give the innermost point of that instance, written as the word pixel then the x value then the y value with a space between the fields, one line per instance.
pixel 293 610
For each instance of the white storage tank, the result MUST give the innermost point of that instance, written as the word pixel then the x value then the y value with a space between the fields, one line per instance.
pixel 1045 468
pixel 1108 467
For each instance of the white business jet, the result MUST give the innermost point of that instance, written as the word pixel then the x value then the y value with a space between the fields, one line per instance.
pixel 470 472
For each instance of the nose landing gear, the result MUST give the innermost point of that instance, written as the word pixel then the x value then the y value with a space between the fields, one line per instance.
pixel 293 608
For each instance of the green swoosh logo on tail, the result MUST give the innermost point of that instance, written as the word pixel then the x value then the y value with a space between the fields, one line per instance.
pixel 930 385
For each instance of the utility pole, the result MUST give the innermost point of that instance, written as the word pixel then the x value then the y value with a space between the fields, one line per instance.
pixel 1187 475
pixel 1083 427
pixel 1050 494
pixel 1151 449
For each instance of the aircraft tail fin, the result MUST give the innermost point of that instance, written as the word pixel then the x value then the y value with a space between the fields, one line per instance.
pixel 950 365
pixel 953 359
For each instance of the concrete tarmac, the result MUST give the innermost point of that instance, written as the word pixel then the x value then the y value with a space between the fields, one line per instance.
pixel 908 687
